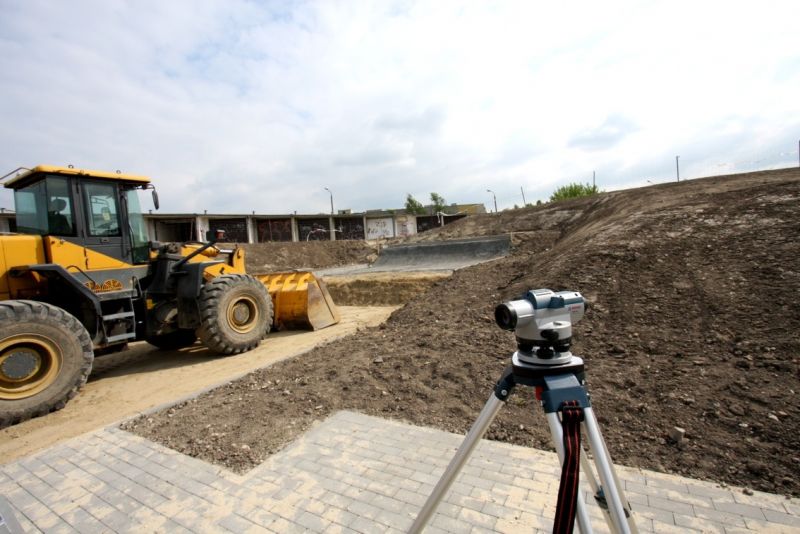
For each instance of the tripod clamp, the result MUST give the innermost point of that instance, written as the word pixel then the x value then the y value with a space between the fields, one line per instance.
pixel 557 383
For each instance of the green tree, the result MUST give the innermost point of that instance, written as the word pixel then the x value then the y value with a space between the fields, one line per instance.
pixel 573 190
pixel 414 206
pixel 438 202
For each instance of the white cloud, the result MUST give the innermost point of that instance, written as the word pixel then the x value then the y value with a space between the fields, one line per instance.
pixel 237 106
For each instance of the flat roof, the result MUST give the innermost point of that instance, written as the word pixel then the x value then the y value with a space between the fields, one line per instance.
pixel 30 174
pixel 154 215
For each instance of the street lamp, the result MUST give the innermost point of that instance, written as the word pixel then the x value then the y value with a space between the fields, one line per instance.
pixel 329 191
pixel 495 199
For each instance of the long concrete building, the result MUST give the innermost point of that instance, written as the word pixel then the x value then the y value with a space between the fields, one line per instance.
pixel 260 228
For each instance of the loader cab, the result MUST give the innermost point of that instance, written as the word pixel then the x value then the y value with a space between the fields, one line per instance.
pixel 93 209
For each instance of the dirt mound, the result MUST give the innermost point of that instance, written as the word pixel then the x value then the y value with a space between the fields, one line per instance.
pixel 276 256
pixel 694 323
pixel 380 288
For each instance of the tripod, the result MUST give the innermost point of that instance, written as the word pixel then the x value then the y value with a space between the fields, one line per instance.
pixel 561 382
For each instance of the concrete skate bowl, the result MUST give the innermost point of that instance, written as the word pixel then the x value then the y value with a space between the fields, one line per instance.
pixel 442 255
pixel 402 272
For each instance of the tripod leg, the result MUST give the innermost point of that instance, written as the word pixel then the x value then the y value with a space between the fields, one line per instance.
pixel 479 428
pixel 556 432
pixel 591 478
pixel 617 504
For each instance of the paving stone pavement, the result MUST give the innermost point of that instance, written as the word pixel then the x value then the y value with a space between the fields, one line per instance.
pixel 351 473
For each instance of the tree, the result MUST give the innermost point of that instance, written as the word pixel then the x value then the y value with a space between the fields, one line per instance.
pixel 438 202
pixel 414 206
pixel 573 190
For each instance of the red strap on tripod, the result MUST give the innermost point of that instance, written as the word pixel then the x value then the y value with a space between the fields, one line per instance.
pixel 571 417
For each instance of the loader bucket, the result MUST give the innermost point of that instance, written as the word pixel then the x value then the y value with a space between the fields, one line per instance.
pixel 300 300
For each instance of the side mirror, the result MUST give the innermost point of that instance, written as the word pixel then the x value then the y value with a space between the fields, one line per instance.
pixel 155 198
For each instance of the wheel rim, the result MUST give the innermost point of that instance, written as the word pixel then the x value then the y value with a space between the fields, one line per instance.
pixel 243 314
pixel 29 363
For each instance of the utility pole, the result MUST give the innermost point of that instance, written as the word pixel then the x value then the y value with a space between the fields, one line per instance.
pixel 593 184
pixel 329 191
pixel 523 197
pixel 495 199
pixel 677 168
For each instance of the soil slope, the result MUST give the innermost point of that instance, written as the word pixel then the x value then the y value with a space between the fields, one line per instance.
pixel 694 324
pixel 278 256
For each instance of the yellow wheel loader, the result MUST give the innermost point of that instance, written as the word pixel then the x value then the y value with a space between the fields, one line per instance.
pixel 81 279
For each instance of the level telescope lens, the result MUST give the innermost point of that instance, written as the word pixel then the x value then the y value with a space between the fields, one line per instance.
pixel 505 316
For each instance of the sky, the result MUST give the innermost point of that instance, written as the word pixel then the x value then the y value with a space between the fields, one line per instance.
pixel 236 106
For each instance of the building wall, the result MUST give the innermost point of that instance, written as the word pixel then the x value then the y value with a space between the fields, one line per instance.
pixel 349 228
pixel 317 229
pixel 235 229
pixel 273 230
pixel 380 227
pixel 405 225
pixel 260 229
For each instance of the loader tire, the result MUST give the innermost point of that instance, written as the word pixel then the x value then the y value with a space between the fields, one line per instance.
pixel 235 313
pixel 174 340
pixel 46 356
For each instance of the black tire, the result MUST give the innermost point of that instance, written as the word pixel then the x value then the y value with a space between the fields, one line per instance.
pixel 235 313
pixel 177 339
pixel 46 356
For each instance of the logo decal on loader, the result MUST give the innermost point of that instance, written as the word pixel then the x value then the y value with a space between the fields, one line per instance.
pixel 108 285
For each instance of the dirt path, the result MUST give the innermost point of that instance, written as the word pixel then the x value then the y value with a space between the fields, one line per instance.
pixel 122 385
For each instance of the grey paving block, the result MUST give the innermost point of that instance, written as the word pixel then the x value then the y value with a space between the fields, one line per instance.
pixel 119 522
pixel 698 524
pixel 313 522
pixel 674 485
pixel 671 506
pixel 477 519
pixel 365 525
pixel 237 523
pixel 744 510
pixel 362 509
pixel 450 524
pixel 725 518
pixel 339 516
pixel 781 518
pixel 654 513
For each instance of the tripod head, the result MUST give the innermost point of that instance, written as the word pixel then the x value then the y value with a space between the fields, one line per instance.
pixel 542 321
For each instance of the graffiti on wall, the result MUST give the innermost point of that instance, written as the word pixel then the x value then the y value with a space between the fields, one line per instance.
pixel 349 228
pixel 378 228
pixel 235 229
pixel 313 229
pixel 274 230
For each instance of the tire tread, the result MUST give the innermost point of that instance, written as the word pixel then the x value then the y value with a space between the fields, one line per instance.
pixel 210 296
pixel 30 310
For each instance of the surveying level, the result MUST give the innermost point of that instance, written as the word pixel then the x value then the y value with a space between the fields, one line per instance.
pixel 542 321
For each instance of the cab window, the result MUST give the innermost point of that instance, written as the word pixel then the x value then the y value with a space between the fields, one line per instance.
pixel 103 209
pixel 45 208
pixel 140 244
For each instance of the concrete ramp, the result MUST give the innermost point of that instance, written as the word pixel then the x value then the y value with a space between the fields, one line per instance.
pixel 429 256
pixel 442 255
